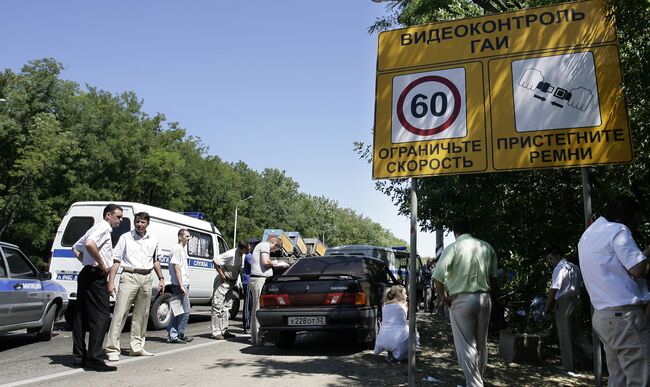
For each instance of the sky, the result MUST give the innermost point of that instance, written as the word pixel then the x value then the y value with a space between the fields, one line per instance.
pixel 286 84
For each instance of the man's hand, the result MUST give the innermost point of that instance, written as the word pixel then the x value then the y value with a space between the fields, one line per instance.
pixel 183 290
pixel 161 285
pixel 447 301
pixel 111 288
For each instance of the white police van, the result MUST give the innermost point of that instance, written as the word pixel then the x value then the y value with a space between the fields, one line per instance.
pixel 205 244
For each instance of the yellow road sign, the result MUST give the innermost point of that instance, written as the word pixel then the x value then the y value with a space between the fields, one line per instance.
pixel 536 88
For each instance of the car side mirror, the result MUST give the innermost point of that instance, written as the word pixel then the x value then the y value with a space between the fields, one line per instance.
pixel 44 276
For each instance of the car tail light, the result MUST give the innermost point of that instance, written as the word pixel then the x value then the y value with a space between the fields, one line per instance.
pixel 271 300
pixel 358 298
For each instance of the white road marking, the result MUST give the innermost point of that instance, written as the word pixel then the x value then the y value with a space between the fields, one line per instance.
pixel 130 359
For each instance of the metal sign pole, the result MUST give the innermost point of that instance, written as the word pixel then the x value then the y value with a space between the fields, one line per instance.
pixel 412 281
pixel 598 361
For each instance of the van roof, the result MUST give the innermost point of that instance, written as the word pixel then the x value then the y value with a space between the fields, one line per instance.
pixel 156 212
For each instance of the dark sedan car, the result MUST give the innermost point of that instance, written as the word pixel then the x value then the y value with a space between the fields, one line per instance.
pixel 328 293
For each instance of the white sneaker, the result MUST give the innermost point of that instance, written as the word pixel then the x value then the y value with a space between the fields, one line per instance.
pixel 112 356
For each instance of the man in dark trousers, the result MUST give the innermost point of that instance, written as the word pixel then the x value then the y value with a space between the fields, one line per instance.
pixel 94 250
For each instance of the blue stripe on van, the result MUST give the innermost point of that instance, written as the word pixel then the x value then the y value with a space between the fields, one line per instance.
pixel 63 253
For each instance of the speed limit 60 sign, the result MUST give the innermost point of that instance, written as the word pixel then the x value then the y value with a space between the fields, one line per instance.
pixel 430 123
pixel 535 88
pixel 429 105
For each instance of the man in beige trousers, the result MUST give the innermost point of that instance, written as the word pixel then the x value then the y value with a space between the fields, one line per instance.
pixel 137 253
pixel 464 277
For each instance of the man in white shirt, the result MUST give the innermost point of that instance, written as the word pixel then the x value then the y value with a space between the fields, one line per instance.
pixel 137 252
pixel 614 269
pixel 180 279
pixel 94 250
pixel 228 266
pixel 564 295
pixel 261 269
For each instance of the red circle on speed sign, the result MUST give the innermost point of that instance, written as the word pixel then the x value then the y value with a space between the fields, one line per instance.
pixel 436 129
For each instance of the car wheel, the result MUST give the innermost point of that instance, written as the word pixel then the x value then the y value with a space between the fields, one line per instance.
pixel 160 313
pixel 285 339
pixel 45 333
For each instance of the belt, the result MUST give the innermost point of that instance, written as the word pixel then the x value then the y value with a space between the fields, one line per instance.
pixel 258 276
pixel 136 271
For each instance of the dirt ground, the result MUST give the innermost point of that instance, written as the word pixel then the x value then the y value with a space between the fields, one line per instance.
pixel 437 359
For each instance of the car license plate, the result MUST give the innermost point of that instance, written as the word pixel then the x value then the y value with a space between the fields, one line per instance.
pixel 308 320
pixel 66 277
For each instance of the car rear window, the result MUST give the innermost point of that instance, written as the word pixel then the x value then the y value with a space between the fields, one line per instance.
pixel 328 265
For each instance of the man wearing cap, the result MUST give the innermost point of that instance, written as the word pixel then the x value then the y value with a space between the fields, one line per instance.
pixel 228 266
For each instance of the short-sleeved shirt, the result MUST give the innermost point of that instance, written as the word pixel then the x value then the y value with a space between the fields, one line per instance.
pixel 101 235
pixel 466 266
pixel 607 251
pixel 135 251
pixel 256 267
pixel 179 258
pixel 230 262
pixel 565 279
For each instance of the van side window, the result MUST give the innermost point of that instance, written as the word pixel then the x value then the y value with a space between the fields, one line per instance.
pixel 75 229
pixel 223 246
pixel 200 245
pixel 117 232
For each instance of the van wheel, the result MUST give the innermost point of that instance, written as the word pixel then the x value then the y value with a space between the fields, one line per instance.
pixel 160 313
pixel 45 333
pixel 285 339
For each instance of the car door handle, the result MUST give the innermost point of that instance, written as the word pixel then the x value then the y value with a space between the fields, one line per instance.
pixel 18 286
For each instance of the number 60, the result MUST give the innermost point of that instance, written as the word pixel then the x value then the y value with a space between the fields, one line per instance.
pixel 419 108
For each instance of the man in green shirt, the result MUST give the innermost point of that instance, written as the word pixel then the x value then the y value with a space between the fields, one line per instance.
pixel 463 278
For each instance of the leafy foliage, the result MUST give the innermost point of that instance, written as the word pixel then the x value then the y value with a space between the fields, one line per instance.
pixel 62 144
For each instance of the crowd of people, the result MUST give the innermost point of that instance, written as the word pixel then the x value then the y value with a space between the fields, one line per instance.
pixel 612 268
pixel 138 254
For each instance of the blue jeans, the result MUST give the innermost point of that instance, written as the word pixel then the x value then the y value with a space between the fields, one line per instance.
pixel 177 325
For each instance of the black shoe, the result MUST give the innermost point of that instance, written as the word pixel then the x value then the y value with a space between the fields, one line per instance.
pixel 99 367
pixel 175 341
pixel 228 335
pixel 187 339
pixel 78 363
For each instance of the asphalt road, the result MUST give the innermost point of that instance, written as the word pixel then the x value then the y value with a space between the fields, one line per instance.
pixel 26 361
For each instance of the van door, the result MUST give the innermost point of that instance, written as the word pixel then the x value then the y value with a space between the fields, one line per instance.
pixel 200 251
